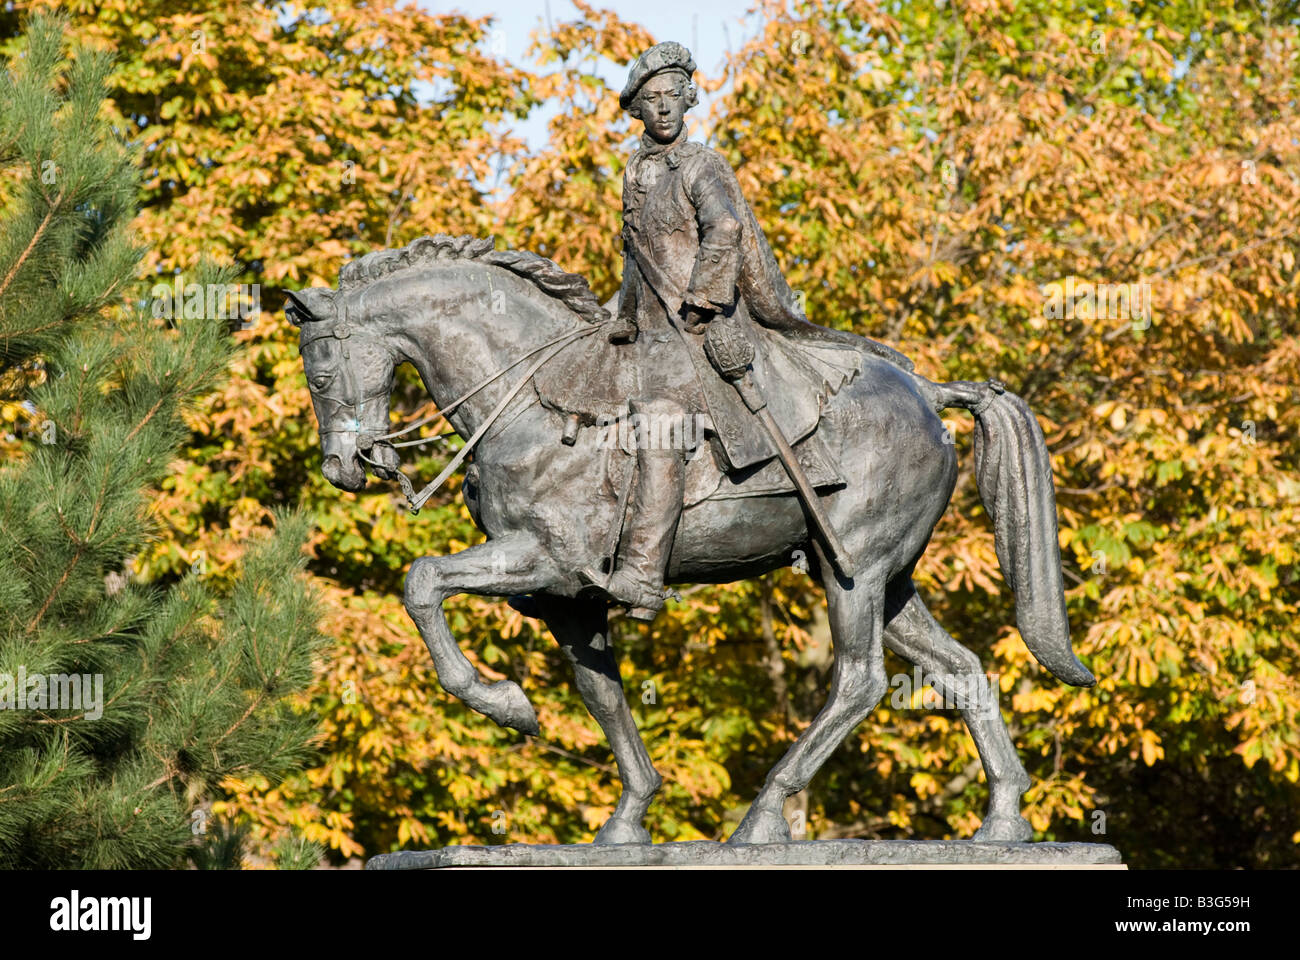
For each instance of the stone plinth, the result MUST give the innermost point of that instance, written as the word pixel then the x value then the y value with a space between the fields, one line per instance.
pixel 853 854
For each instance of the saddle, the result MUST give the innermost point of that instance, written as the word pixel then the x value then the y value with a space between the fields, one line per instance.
pixel 590 383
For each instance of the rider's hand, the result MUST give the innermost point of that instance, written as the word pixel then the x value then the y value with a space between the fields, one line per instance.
pixel 695 318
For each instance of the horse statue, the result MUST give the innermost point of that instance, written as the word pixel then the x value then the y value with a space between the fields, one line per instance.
pixel 478 323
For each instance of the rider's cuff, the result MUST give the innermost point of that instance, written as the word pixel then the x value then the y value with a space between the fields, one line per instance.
pixel 713 281
pixel 699 303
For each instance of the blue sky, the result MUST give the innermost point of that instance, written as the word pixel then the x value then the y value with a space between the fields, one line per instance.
pixel 722 26
pixel 705 33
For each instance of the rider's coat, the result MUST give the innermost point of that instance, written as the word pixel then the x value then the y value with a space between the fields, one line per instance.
pixel 689 237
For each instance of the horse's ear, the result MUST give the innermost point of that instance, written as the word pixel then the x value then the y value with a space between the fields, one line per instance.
pixel 313 303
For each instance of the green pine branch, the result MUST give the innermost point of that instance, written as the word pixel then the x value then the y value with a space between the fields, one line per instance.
pixel 186 683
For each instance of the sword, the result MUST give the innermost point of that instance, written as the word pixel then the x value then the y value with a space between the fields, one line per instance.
pixel 731 354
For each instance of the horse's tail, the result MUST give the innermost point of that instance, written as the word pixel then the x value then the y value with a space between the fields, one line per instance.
pixel 1014 477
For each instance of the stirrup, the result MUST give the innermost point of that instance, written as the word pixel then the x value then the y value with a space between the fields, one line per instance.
pixel 645 606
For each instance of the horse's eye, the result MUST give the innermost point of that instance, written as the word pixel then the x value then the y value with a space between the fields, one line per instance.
pixel 321 381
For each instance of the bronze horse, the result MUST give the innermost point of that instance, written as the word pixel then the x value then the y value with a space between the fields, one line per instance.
pixel 464 314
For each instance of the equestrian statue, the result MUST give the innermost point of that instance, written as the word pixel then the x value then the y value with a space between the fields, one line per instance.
pixel 698 430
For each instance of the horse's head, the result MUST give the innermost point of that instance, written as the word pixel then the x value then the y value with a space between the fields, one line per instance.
pixel 350 375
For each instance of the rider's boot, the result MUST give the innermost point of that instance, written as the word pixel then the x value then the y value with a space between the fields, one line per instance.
pixel 657 506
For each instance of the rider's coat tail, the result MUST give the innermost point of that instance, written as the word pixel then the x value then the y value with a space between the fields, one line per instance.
pixel 1014 476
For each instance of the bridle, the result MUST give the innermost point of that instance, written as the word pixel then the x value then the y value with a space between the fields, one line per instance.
pixel 342 332
pixel 366 443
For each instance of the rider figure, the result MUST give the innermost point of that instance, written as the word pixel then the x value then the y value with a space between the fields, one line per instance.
pixel 693 255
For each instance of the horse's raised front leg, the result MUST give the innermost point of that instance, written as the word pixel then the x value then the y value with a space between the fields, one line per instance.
pixel 581 627
pixel 511 565
pixel 857 684
pixel 957 675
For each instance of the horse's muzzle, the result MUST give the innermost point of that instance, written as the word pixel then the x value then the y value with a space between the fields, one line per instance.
pixel 350 476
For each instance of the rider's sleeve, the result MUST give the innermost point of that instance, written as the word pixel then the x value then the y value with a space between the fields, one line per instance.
pixel 628 294
pixel 718 263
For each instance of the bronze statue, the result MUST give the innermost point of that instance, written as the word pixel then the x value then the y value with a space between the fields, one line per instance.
pixel 814 441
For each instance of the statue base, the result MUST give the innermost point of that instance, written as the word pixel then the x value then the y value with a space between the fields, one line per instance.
pixel 705 854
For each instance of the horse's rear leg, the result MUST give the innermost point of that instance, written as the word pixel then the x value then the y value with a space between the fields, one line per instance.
pixel 581 627
pixel 957 675
pixel 857 684
pixel 497 568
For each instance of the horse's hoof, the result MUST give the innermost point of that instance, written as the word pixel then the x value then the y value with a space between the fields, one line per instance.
pixel 1004 830
pixel 622 831
pixel 510 708
pixel 761 827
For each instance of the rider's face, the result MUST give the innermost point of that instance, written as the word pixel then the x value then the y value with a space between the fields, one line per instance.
pixel 662 104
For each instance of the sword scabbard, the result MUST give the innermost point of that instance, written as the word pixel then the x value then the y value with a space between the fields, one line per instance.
pixel 821 525
pixel 731 354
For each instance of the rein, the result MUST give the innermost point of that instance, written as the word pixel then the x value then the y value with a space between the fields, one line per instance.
pixel 366 442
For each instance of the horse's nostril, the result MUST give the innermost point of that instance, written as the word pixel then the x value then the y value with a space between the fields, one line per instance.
pixel 332 467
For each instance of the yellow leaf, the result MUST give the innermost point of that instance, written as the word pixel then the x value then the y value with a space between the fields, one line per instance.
pixel 1151 749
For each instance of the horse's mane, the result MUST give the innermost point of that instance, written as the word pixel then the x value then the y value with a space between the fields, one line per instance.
pixel 546 275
